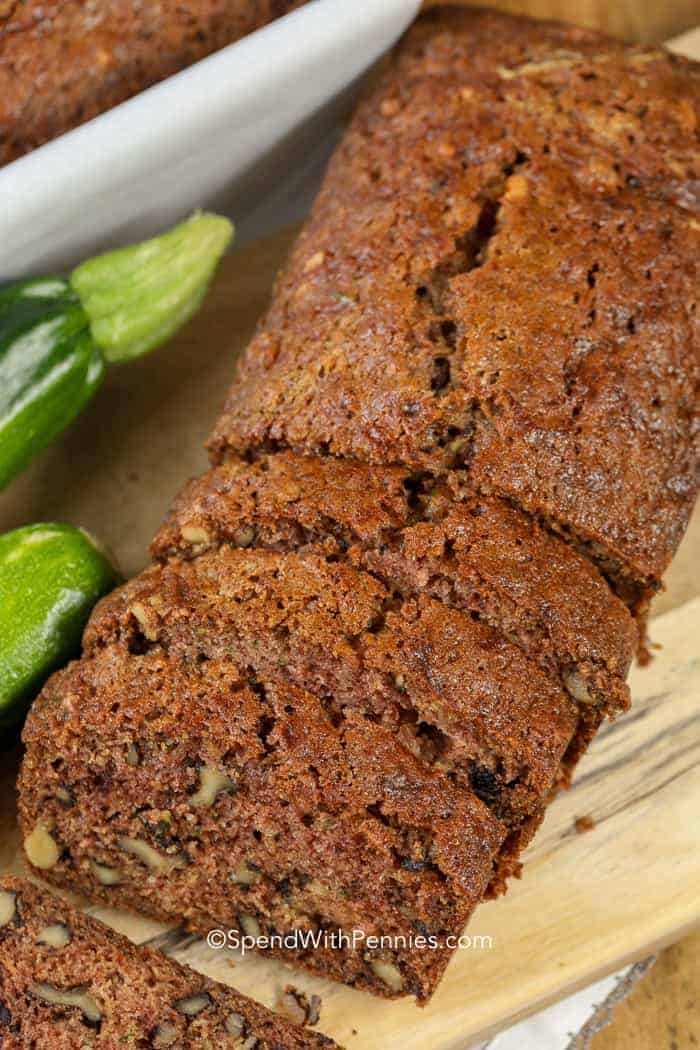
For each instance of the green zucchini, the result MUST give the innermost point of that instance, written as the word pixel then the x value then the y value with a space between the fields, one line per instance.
pixel 58 335
pixel 50 577
pixel 49 368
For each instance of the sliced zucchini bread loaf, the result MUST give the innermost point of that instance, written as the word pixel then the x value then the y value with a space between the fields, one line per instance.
pixel 196 793
pixel 458 456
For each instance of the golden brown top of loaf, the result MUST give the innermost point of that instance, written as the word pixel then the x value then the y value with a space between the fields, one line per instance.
pixel 498 281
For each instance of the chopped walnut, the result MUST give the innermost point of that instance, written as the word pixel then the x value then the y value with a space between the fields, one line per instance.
pixel 78 997
pixel 41 848
pixel 245 875
pixel 148 855
pixel 211 783
pixel 295 1005
pixel 192 1005
pixel 235 1025
pixel 104 874
pixel 387 972
pixel 250 925
pixel 57 935
pixel 292 1004
pixel 577 686
pixel 244 537
pixel 145 621
pixel 8 907
pixel 195 534
pixel 133 755
pixel 165 1035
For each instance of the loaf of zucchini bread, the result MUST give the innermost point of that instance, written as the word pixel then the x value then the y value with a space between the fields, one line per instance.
pixel 497 288
pixel 68 981
pixel 62 63
pixel 459 453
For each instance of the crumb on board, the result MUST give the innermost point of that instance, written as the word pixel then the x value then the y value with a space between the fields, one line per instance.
pixel 646 650
pixel 297 1007
pixel 584 823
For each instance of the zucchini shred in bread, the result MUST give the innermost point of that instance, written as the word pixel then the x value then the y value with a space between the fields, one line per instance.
pixel 63 62
pixel 385 625
pixel 68 981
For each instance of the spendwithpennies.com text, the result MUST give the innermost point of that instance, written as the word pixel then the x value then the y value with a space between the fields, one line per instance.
pixel 341 940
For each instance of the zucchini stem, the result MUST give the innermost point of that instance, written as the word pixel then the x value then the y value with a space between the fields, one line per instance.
pixel 139 296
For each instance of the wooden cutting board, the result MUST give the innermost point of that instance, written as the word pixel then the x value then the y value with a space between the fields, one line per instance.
pixel 587 903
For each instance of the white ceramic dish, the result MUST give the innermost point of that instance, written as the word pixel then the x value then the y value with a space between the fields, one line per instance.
pixel 216 132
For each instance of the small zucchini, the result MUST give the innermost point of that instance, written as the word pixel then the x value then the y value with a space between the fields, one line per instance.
pixel 50 577
pixel 49 367
pixel 58 335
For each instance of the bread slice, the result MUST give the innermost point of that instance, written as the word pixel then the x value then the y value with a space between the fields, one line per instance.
pixel 188 790
pixel 453 690
pixel 67 981
pixel 479 554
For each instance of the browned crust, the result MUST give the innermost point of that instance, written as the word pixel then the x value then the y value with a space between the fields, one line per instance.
pixel 483 555
pixel 451 687
pixel 286 501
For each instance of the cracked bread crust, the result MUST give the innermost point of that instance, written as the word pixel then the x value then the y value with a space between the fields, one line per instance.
pixel 482 556
pixel 131 995
pixel 321 820
pixel 498 280
pixel 63 62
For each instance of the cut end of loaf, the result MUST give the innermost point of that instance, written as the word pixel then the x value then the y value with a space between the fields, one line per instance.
pixel 321 822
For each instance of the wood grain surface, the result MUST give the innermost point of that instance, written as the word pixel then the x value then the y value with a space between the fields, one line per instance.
pixel 663 1011
pixel 586 903
pixel 648 22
